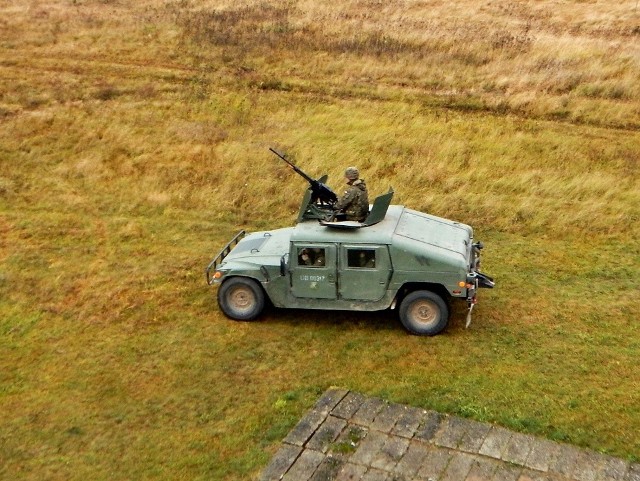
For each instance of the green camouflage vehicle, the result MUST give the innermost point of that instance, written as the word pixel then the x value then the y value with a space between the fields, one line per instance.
pixel 397 258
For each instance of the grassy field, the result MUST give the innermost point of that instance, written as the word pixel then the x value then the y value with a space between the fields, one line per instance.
pixel 134 143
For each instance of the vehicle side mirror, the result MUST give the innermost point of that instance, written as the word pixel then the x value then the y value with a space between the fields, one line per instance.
pixel 283 264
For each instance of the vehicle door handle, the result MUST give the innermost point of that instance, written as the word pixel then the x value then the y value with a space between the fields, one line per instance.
pixel 331 278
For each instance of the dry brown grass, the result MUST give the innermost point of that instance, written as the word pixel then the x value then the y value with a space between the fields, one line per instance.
pixel 565 60
pixel 574 60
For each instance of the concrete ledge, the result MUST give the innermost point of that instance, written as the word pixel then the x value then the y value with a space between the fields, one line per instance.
pixel 349 436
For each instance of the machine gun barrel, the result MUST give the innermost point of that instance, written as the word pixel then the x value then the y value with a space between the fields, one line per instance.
pixel 293 166
pixel 321 192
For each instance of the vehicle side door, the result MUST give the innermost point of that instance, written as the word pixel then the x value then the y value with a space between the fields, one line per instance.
pixel 312 269
pixel 365 271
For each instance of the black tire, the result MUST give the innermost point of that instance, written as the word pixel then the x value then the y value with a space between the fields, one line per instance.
pixel 424 313
pixel 241 298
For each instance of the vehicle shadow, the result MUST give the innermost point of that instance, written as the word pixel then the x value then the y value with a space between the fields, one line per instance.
pixel 385 320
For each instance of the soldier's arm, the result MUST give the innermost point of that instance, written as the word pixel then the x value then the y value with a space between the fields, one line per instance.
pixel 346 199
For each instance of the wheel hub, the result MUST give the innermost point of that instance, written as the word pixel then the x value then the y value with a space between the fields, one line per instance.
pixel 424 312
pixel 241 299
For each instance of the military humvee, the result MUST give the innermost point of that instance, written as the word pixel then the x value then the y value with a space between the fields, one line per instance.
pixel 397 258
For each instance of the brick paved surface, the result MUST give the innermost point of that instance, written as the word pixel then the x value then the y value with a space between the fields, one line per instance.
pixel 351 437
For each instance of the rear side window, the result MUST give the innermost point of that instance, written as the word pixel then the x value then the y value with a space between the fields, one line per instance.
pixel 361 258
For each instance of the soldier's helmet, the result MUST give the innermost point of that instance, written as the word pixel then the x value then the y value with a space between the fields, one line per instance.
pixel 352 173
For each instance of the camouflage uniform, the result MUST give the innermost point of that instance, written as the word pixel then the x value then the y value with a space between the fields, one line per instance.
pixel 355 201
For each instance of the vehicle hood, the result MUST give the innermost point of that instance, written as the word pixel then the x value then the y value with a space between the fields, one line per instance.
pixel 259 249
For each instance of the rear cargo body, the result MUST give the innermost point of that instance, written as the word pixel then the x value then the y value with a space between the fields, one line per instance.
pixel 431 249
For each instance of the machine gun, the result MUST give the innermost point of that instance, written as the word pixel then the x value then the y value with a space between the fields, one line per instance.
pixel 321 193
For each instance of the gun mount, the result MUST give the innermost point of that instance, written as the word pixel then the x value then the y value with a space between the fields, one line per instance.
pixel 318 200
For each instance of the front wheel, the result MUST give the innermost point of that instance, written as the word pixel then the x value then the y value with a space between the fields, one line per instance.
pixel 424 313
pixel 241 298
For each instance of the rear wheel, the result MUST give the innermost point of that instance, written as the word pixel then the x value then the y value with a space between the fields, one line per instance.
pixel 424 313
pixel 241 298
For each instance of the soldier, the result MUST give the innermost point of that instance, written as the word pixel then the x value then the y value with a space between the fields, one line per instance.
pixel 318 257
pixel 304 259
pixel 367 259
pixel 355 201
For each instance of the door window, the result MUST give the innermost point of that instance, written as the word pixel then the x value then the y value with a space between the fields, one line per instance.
pixel 311 257
pixel 361 258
